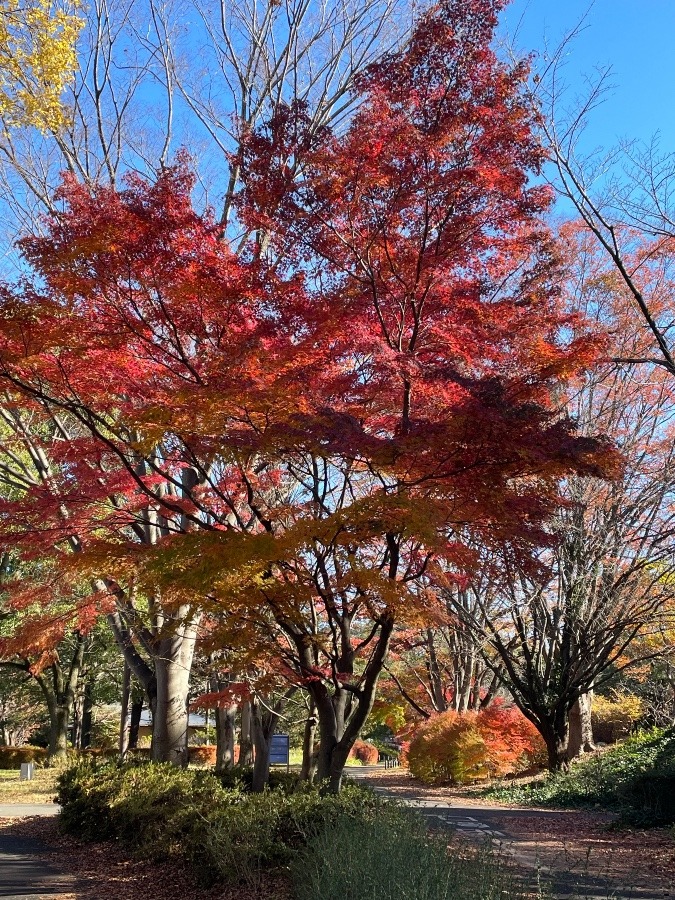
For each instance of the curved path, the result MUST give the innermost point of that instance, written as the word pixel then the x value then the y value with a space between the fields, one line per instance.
pixel 492 823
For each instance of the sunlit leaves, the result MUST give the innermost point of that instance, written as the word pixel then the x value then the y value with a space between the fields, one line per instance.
pixel 37 60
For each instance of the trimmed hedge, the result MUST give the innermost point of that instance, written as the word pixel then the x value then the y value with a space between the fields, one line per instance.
pixel 13 757
pixel 202 755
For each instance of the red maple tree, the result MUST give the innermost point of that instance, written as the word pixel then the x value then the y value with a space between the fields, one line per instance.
pixel 318 427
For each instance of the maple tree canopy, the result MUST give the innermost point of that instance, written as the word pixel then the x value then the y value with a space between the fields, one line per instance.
pixel 319 423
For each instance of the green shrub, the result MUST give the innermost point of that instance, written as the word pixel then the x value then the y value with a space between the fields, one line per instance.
pixel 84 792
pixel 238 778
pixel 241 778
pixel 161 811
pixel 636 777
pixel 13 757
pixel 391 856
pixel 267 830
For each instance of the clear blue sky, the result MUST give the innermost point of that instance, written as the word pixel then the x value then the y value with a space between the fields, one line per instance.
pixel 636 37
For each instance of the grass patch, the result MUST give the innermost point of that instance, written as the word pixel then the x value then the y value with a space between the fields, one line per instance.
pixel 41 789
pixel 393 857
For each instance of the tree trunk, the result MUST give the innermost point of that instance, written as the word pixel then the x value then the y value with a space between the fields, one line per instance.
pixel 581 727
pixel 556 737
pixel 342 714
pixel 263 726
pixel 59 719
pixel 309 761
pixel 142 671
pixel 123 743
pixel 436 686
pixel 76 730
pixel 334 744
pixel 245 742
pixel 170 716
pixel 135 718
pixel 338 762
pixel 87 715
pixel 59 691
pixel 463 699
pixel 262 739
pixel 225 736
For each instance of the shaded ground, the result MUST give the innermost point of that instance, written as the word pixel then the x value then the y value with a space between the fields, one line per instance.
pixel 101 871
pixel 581 851
pixel 24 871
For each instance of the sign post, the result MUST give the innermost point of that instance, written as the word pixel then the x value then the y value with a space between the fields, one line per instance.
pixel 280 751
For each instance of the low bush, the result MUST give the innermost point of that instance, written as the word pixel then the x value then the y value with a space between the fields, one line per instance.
pixel 614 717
pixel 98 752
pixel 392 857
pixel 140 753
pixel 161 812
pixel 202 755
pixel 366 753
pixel 13 757
pixel 463 748
pixel 241 778
pixel 636 777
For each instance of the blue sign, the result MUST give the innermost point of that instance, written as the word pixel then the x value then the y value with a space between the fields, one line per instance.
pixel 280 750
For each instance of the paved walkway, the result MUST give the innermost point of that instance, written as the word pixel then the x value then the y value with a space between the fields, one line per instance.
pixel 23 873
pixel 491 823
pixel 22 810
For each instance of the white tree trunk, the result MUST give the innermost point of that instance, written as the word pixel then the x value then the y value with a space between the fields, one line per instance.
pixel 173 664
pixel 581 728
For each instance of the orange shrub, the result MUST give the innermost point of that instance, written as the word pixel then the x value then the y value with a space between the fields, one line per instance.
pixel 460 749
pixel 365 753
pixel 448 748
pixel 513 743
pixel 202 755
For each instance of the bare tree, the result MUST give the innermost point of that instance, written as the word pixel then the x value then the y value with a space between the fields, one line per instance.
pixel 563 627
pixel 158 75
pixel 624 195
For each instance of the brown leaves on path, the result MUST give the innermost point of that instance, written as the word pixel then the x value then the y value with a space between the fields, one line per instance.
pixel 576 845
pixel 105 871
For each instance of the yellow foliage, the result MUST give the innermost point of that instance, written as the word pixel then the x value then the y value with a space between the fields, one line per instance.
pixel 37 60
pixel 614 716
pixel 448 749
